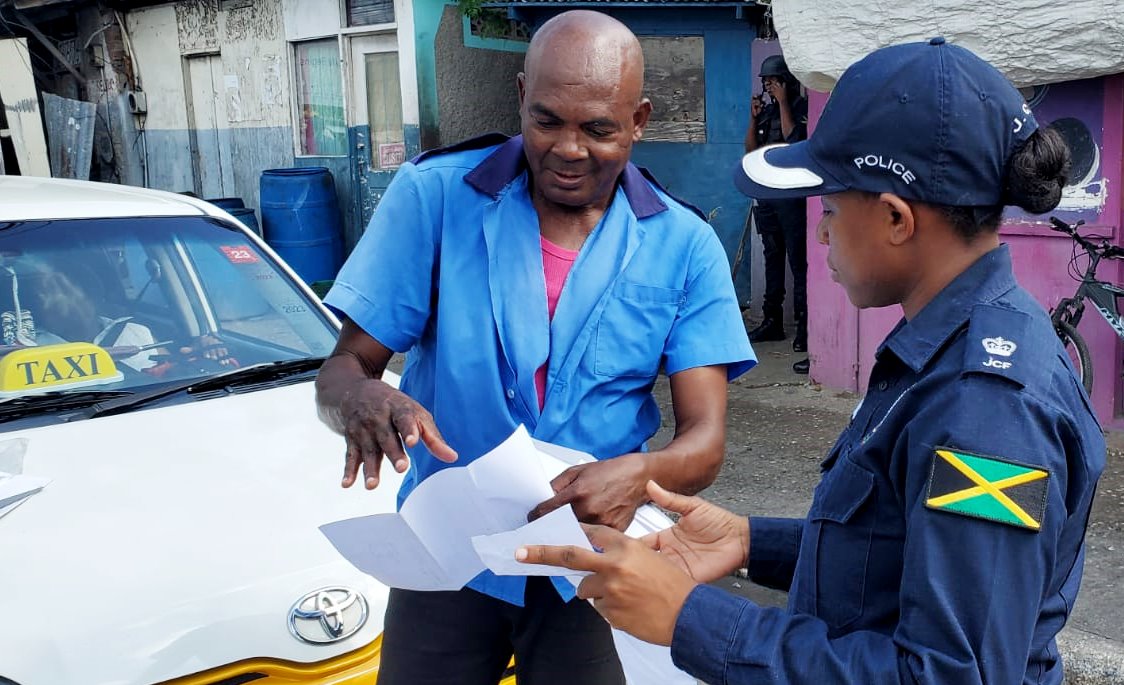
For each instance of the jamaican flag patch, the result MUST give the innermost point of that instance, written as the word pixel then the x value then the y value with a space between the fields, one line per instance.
pixel 988 488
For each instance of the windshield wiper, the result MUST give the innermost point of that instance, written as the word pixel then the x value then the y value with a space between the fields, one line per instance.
pixel 27 405
pixel 258 373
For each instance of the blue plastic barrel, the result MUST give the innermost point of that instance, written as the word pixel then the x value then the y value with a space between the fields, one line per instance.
pixel 227 203
pixel 247 217
pixel 300 218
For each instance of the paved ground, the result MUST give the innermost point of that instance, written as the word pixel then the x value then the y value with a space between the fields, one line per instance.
pixel 781 425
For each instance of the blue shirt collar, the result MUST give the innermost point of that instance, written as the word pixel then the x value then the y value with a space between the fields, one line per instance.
pixel 916 341
pixel 508 161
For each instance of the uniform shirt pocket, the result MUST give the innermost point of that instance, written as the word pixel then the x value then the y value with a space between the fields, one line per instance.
pixel 842 517
pixel 633 329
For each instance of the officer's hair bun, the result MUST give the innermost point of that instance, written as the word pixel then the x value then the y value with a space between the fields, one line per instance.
pixel 1037 172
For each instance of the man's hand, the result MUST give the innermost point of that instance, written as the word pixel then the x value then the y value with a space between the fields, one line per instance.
pixel 604 492
pixel 211 348
pixel 633 587
pixel 756 106
pixel 707 542
pixel 377 420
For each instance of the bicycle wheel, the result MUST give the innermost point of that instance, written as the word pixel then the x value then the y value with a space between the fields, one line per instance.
pixel 1078 353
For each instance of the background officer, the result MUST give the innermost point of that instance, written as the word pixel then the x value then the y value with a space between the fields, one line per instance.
pixel 782 223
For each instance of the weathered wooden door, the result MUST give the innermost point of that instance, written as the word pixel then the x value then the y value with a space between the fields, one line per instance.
pixel 208 127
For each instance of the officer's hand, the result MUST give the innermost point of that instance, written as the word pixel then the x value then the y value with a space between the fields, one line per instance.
pixel 633 587
pixel 777 90
pixel 707 542
pixel 603 492
pixel 757 105
pixel 377 420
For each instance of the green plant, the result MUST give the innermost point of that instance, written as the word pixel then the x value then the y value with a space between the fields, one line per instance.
pixel 493 23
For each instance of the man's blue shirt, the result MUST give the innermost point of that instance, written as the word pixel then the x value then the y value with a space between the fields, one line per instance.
pixel 945 541
pixel 450 271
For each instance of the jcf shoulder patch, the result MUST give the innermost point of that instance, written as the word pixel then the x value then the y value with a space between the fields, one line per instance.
pixel 988 488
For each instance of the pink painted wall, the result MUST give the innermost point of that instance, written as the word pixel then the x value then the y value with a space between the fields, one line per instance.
pixel 842 339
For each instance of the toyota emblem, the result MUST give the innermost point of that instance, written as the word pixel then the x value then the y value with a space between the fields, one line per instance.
pixel 327 615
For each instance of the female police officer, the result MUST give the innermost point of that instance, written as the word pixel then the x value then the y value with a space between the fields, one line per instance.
pixel 945 541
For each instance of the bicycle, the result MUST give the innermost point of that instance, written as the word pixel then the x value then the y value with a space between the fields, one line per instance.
pixel 1068 312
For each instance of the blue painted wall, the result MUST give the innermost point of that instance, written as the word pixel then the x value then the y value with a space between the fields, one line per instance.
pixel 702 174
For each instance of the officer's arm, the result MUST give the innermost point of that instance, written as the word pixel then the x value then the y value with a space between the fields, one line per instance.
pixel 970 594
pixel 774 547
pixel 799 130
pixel 751 135
pixel 751 142
pixel 788 120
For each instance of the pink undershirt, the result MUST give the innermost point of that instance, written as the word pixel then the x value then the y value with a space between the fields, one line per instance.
pixel 556 263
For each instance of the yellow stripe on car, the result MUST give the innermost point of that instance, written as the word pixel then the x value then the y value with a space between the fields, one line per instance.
pixel 354 668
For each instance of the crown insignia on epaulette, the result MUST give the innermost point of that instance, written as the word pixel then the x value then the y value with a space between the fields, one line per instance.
pixel 999 346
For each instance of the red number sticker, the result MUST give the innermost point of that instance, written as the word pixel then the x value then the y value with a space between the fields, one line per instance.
pixel 239 254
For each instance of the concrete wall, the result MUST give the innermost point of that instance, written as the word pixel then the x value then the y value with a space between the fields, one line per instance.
pixel 254 127
pixel 476 90
pixel 154 32
pixel 842 339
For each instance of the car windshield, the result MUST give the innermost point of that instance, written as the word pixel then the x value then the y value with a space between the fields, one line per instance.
pixel 119 305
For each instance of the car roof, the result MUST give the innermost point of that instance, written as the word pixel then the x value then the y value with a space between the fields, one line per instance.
pixel 24 198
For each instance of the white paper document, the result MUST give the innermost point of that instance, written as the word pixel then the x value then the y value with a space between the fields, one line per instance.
pixel 559 527
pixel 16 488
pixel 462 520
pixel 428 544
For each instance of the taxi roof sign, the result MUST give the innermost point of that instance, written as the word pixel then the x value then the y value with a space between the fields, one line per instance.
pixel 29 370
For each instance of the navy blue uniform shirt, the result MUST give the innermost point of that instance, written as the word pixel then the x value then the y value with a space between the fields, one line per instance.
pixel 945 540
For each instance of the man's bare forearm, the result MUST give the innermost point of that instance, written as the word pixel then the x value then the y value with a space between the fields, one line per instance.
pixel 691 461
pixel 357 357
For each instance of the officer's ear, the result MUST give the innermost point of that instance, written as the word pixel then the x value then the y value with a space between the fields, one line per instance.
pixel 521 83
pixel 900 218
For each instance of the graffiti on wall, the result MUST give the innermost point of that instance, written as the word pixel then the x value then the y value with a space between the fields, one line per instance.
pixel 1075 109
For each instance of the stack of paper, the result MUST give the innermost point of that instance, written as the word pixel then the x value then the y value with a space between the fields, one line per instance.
pixel 462 520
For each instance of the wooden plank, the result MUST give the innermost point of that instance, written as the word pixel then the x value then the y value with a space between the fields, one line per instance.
pixel 70 135
pixel 675 132
pixel 21 106
pixel 675 82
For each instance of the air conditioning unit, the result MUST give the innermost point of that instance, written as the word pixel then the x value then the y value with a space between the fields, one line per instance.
pixel 138 102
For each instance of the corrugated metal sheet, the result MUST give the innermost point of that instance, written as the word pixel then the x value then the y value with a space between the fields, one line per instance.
pixel 70 135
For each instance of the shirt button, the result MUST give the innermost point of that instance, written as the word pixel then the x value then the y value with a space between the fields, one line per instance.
pixel 882 385
pixel 510 394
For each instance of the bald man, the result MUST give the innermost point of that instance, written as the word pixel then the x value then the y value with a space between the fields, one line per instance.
pixel 540 280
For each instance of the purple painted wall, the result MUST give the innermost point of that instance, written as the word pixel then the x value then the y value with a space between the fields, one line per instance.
pixel 842 339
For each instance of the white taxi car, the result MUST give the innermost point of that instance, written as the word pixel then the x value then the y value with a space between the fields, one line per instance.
pixel 163 473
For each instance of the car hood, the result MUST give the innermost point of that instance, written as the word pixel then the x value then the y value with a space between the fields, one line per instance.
pixel 173 540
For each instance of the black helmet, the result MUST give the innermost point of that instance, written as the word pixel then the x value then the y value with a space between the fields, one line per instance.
pixel 774 65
